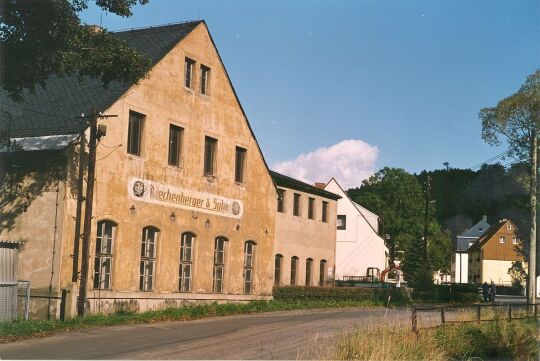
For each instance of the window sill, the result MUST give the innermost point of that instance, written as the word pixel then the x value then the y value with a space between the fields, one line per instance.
pixel 189 90
pixel 138 158
pixel 178 168
pixel 210 177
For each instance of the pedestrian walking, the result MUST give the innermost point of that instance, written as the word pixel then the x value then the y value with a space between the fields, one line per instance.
pixel 493 291
pixel 490 290
pixel 485 289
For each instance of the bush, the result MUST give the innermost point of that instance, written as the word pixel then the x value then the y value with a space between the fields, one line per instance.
pixel 301 293
pixel 451 293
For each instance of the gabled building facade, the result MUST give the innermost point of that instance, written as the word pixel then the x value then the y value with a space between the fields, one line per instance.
pixel 358 244
pixel 460 258
pixel 184 205
pixel 492 254
pixel 305 238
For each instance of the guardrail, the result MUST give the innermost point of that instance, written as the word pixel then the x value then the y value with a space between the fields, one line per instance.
pixel 438 315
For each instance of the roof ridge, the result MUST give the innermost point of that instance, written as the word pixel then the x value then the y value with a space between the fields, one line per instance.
pixel 163 26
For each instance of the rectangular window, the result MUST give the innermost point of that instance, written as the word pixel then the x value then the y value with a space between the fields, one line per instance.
pixel 341 221
pixel 189 66
pixel 324 211
pixel 309 263
pixel 311 208
pixel 186 262
pixel 502 239
pixel 219 264
pixel 239 165
pixel 281 201
pixel 249 251
pixel 514 240
pixel 294 270
pixel 296 205
pixel 148 258
pixel 210 145
pixel 175 145
pixel 205 80
pixel 135 130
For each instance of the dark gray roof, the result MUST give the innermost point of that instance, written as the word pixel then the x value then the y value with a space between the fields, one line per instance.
pixel 471 235
pixel 52 111
pixel 288 182
pixel 477 230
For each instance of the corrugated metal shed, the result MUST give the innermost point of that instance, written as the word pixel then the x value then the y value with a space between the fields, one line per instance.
pixel 9 252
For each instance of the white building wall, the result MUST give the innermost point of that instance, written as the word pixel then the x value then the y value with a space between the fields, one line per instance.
pixel 460 268
pixel 358 246
pixel 496 271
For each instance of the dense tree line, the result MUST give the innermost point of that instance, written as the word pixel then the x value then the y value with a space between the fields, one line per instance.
pixel 459 199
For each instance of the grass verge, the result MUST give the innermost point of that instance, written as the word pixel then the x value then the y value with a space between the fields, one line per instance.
pixel 15 330
pixel 501 340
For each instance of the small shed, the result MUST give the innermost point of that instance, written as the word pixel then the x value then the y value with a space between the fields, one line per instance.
pixel 9 252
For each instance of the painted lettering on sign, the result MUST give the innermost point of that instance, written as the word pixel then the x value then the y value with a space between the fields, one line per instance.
pixel 157 193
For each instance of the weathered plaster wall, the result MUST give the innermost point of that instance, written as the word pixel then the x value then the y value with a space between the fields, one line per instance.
pixel 306 238
pixel 35 217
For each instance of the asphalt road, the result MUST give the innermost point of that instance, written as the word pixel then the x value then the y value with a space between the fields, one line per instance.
pixel 277 335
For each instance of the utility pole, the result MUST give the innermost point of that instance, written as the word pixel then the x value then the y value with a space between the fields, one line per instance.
pixel 88 213
pixel 531 296
pixel 426 220
pixel 78 213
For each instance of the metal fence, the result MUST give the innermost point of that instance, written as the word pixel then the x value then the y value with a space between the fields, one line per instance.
pixel 432 316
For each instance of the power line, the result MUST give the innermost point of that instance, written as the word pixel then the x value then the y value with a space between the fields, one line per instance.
pixel 479 165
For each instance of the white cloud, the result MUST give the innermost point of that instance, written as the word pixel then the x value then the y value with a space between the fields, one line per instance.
pixel 349 161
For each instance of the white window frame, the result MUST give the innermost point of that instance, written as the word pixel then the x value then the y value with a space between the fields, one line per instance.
pixel 148 259
pixel 104 255
pixel 219 264
pixel 185 272
pixel 502 239
pixel 249 265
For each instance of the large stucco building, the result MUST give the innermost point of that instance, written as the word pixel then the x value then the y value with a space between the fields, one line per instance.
pixel 305 238
pixel 184 206
pixel 358 244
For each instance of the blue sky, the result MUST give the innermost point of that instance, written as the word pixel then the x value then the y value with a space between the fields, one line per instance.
pixel 406 77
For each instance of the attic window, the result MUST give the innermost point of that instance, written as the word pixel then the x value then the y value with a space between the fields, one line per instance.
pixel 189 72
pixel 480 229
pixel 509 227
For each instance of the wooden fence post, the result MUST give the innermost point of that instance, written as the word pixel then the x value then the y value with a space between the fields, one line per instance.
pixel 478 313
pixel 442 315
pixel 509 312
pixel 535 310
pixel 414 320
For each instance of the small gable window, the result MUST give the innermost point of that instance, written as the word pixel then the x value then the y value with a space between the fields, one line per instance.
pixel 341 221
pixel 205 80
pixel 502 239
pixel 189 68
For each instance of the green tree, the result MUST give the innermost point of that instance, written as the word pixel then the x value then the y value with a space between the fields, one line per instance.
pixel 397 197
pixel 39 38
pixel 515 121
